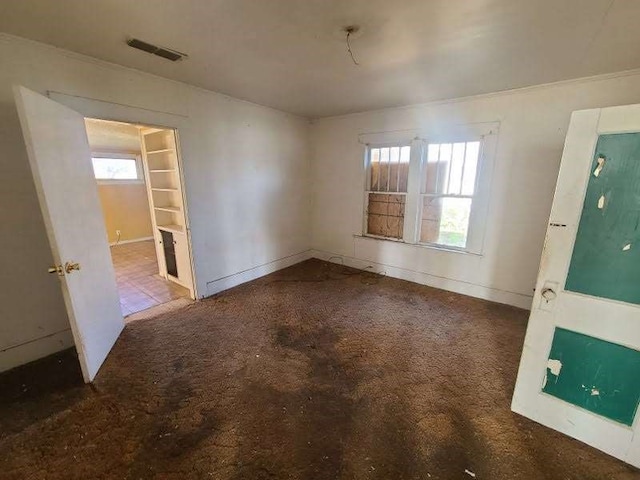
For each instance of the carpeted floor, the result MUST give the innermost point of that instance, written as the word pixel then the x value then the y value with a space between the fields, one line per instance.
pixel 310 373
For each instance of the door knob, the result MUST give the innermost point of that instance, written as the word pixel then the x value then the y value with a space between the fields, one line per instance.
pixel 56 269
pixel 549 294
pixel 71 266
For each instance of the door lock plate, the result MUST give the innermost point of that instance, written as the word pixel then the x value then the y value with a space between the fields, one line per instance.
pixel 548 296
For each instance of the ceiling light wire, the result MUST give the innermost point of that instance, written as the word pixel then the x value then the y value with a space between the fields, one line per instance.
pixel 349 31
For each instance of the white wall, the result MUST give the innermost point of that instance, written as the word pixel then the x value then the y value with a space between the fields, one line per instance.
pixel 246 172
pixel 533 125
pixel 247 175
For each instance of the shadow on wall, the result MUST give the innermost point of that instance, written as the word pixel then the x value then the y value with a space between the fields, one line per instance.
pixel 31 303
pixel 524 181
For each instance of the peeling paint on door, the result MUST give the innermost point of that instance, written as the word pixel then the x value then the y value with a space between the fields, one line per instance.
pixel 603 264
pixel 594 374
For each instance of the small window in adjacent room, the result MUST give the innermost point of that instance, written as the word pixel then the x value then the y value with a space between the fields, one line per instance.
pixel 117 168
pixel 387 190
pixel 448 186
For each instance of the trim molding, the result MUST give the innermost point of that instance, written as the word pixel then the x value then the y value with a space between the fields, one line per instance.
pixel 235 279
pixel 482 96
pixel 17 355
pixel 465 288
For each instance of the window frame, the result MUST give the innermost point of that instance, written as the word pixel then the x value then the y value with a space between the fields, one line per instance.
pixel 367 185
pixel 120 181
pixel 485 133
pixel 471 246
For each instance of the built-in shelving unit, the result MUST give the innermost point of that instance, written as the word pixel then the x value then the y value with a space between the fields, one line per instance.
pixel 172 228
pixel 168 209
pixel 162 150
pixel 164 188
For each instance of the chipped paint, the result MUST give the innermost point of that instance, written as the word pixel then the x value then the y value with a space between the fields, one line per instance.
pixel 604 262
pixel 597 375
pixel 554 367
pixel 601 162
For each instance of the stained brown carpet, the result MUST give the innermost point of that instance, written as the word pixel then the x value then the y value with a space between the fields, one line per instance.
pixel 309 373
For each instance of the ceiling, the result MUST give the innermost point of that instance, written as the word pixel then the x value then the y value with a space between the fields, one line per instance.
pixel 291 54
pixel 112 137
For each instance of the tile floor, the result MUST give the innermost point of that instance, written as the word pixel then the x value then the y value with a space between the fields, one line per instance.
pixel 139 284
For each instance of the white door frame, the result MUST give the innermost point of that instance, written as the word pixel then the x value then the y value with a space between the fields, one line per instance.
pixel 104 110
pixel 573 311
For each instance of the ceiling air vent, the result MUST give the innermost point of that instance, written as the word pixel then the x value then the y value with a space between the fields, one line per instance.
pixel 163 52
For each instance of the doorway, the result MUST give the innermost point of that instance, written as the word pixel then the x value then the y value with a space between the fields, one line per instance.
pixel 136 168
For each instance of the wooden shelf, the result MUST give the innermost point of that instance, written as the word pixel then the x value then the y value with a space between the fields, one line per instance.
pixel 150 130
pixel 168 209
pixel 163 150
pixel 172 228
pixel 164 189
pixel 168 170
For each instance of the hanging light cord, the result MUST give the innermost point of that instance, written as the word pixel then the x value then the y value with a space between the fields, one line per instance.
pixel 349 48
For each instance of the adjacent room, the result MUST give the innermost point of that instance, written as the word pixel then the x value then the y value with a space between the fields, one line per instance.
pixel 320 240
pixel 141 198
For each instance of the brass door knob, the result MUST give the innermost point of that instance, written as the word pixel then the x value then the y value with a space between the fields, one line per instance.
pixel 71 266
pixel 56 269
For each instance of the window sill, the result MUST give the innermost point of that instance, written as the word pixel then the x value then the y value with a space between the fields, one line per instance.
pixel 428 246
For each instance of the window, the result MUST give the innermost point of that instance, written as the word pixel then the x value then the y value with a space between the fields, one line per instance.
pixel 448 186
pixel 386 195
pixel 430 192
pixel 117 168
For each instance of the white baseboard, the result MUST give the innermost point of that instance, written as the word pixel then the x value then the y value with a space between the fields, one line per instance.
pixel 133 240
pixel 230 281
pixel 465 288
pixel 12 357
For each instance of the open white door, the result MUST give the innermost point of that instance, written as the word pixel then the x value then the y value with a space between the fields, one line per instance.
pixel 60 159
pixel 580 367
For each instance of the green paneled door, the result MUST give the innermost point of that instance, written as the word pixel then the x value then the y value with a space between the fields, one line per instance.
pixel 596 375
pixel 606 256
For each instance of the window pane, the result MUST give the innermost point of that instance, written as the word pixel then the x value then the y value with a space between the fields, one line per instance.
pixel 375 169
pixel 405 154
pixel 445 221
pixel 389 169
pixel 115 168
pixel 470 168
pixel 451 168
pixel 444 163
pixel 385 215
pixel 431 168
pixel 384 170
pixel 439 158
pixel 394 168
pixel 455 173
